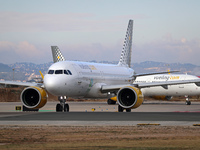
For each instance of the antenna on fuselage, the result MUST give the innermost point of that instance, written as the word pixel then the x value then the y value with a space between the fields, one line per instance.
pixel 125 59
pixel 57 55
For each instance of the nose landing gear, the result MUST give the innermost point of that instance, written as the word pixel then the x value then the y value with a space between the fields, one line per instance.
pixel 187 102
pixel 63 106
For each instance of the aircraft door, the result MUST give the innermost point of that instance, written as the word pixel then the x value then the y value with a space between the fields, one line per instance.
pixel 79 73
pixel 182 85
pixel 81 81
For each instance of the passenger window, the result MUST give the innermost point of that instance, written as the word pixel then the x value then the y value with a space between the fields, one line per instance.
pixel 51 72
pixel 59 72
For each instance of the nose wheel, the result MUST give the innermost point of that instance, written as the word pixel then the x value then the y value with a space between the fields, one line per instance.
pixel 62 106
pixel 187 102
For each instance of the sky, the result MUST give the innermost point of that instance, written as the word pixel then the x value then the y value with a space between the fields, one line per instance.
pixel 164 30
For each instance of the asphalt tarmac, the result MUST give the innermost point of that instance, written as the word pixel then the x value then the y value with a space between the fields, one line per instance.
pixel 101 114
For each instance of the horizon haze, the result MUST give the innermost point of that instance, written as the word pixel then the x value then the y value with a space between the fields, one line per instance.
pixel 164 31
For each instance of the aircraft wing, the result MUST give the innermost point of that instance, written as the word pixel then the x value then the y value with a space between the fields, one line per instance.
pixel 15 83
pixel 153 73
pixel 114 88
pixel 166 83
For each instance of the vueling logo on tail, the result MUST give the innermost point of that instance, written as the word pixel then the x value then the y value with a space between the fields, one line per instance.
pixel 57 55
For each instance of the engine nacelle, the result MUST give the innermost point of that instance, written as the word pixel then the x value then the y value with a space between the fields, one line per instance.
pixel 130 97
pixel 33 97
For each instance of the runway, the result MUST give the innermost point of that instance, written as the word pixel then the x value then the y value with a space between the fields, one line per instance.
pixel 178 114
pixel 99 116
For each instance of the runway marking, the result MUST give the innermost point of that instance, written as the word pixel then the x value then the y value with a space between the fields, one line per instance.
pixel 46 110
pixel 186 111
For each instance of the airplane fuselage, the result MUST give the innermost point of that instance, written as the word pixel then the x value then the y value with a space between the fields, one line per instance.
pixel 84 79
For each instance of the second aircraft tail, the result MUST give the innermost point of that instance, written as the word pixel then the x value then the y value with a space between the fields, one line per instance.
pixel 57 55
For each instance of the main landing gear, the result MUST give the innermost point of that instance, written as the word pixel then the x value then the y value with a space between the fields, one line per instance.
pixel 62 106
pixel 121 109
pixel 187 102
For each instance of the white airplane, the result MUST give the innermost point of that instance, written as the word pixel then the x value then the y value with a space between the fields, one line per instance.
pixel 172 90
pixel 167 92
pixel 90 80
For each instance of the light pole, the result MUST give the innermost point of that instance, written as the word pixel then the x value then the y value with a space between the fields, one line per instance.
pixel 13 73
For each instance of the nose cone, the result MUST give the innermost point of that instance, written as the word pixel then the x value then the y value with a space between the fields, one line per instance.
pixel 51 84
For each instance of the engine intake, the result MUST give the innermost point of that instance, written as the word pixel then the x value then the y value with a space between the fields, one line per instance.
pixel 129 97
pixel 33 97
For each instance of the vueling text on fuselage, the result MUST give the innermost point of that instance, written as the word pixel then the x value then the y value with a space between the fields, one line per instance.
pixel 166 78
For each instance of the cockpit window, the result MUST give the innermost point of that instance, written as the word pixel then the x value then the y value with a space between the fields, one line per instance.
pixel 67 72
pixel 59 72
pixel 51 72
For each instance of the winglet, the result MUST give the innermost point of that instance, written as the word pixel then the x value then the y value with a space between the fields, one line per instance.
pixel 41 75
pixel 168 71
pixel 57 55
pixel 125 59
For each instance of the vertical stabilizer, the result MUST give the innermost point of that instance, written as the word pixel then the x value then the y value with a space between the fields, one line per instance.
pixel 57 55
pixel 125 59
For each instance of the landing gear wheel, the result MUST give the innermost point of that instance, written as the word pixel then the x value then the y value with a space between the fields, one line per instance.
pixel 120 109
pixel 62 106
pixel 111 102
pixel 188 102
pixel 128 110
pixel 66 108
pixel 59 108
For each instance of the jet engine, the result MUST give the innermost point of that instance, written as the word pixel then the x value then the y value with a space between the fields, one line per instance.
pixel 33 97
pixel 129 97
